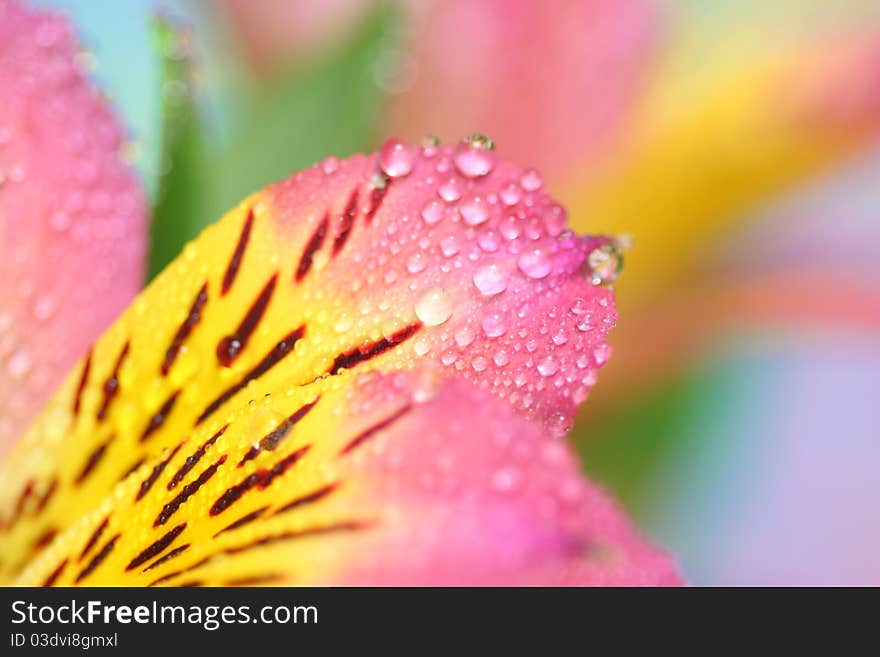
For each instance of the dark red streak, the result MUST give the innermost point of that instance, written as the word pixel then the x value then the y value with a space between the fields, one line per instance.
pixel 97 559
pixel 83 380
pixel 241 522
pixel 147 483
pixel 192 460
pixel 305 262
pixel 260 479
pixel 376 198
pixel 92 461
pixel 44 539
pixel 157 547
pixel 192 319
pixel 272 439
pixel 376 428
pixel 237 255
pixel 307 499
pixel 356 356
pixel 346 222
pixel 301 533
pixel 159 416
pixel 94 538
pixel 111 385
pixel 176 552
pixel 50 491
pixel 188 491
pixel 279 351
pixel 232 345
pixel 50 580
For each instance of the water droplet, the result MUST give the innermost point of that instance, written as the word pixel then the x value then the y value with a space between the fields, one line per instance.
pixel 449 191
pixel 602 353
pixel 449 245
pixel 474 156
pixel 19 363
pixel 493 324
pixel 534 264
pixel 511 194
pixel 480 363
pixel 434 307
pixel 432 212
pixel 474 212
pixel 421 346
pixel 531 181
pixel 501 358
pixel 490 280
pixel 329 165
pixel 579 307
pixel 464 336
pixel 605 264
pixel 416 263
pixel 397 158
pixel 548 367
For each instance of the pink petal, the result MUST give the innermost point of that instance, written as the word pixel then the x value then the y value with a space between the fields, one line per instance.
pixel 475 498
pixel 552 81
pixel 476 273
pixel 72 217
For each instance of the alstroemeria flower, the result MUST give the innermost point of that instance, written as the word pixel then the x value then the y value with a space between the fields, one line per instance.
pixel 358 376
pixel 72 216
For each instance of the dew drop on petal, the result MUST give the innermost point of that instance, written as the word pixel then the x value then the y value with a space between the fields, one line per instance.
pixel 490 280
pixel 531 181
pixel 449 191
pixel 432 212
pixel 474 156
pixel 433 307
pixel 534 264
pixel 511 194
pixel 501 358
pixel 479 363
pixel 493 324
pixel 605 264
pixel 397 158
pixel 474 212
pixel 548 367
pixel 464 336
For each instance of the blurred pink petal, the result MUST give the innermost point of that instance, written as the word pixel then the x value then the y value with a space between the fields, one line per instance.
pixel 476 273
pixel 482 498
pixel 276 31
pixel 551 82
pixel 72 218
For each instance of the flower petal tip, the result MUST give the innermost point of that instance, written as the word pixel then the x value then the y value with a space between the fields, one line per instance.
pixel 469 249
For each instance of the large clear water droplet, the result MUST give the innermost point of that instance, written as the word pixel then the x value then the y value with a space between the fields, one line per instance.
pixel 434 307
pixel 397 158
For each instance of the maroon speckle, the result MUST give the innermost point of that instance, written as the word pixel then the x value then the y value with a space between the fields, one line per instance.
pixel 83 380
pixel 232 345
pixel 188 491
pixel 238 254
pixel 349 359
pixel 244 520
pixel 94 538
pixel 189 323
pixel 260 479
pixel 97 559
pixel 176 552
pixel 193 459
pixel 272 439
pixel 50 580
pixel 159 416
pixel 346 222
pixel 111 385
pixel 92 461
pixel 307 499
pixel 147 483
pixel 305 262
pixel 157 547
pixel 377 196
pixel 279 351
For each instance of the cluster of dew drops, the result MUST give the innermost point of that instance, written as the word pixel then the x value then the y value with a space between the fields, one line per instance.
pixel 473 158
